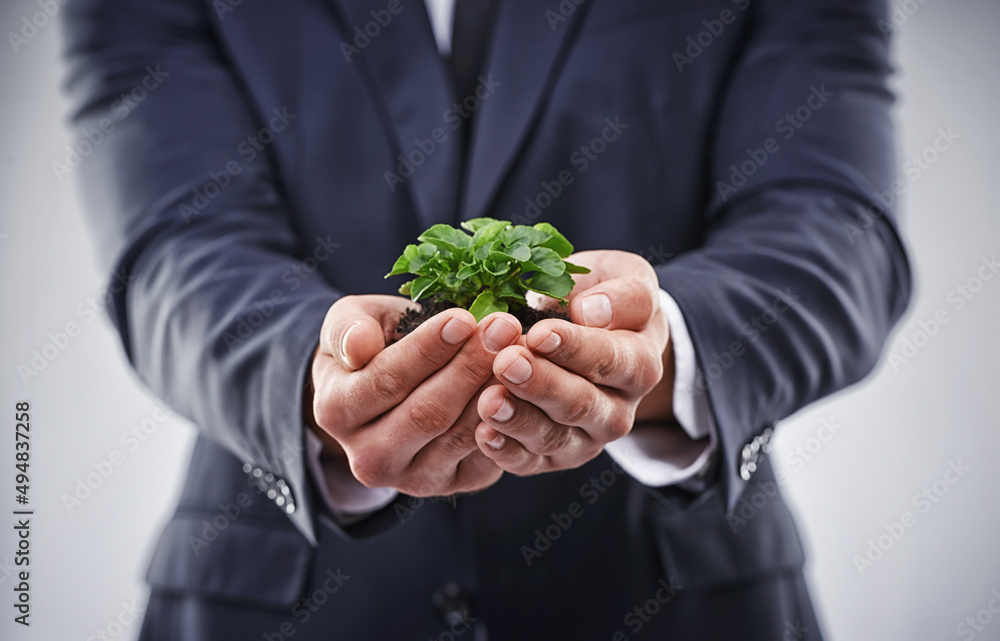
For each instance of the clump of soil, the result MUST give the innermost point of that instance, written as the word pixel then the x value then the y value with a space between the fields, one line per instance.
pixel 412 318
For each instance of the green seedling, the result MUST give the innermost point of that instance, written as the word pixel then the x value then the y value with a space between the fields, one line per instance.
pixel 489 267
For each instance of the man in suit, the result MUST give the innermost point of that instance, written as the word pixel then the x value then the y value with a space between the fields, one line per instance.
pixel 608 477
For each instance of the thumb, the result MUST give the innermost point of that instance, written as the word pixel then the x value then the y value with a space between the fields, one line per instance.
pixel 619 303
pixel 358 342
pixel 354 330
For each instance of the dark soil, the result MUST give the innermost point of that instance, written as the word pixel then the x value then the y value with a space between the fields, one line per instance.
pixel 413 317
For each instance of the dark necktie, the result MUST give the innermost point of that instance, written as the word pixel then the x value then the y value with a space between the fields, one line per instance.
pixel 469 40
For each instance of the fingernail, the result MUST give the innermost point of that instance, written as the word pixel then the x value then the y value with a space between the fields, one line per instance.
pixel 497 442
pixel 596 310
pixel 499 334
pixel 518 371
pixel 347 334
pixel 550 344
pixel 455 331
pixel 504 413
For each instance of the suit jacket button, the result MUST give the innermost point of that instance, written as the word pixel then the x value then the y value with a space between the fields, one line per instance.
pixel 748 462
pixel 453 603
pixel 765 440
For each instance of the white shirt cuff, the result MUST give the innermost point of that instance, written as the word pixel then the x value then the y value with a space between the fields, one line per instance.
pixel 344 496
pixel 661 455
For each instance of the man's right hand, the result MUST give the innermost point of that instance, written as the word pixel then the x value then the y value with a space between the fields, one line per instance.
pixel 404 416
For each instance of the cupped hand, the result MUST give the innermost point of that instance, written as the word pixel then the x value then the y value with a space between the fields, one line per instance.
pixel 404 415
pixel 573 387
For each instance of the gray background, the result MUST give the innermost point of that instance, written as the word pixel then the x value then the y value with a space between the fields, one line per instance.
pixel 899 429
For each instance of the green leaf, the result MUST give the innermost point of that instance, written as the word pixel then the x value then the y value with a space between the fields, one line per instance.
pixel 468 270
pixel 446 237
pixel 448 262
pixel 524 234
pixel 438 288
pixel 486 234
pixel 406 287
pixel 485 304
pixel 546 260
pixel 519 252
pixel 497 264
pixel 418 264
pixel 575 269
pixel 482 252
pixel 554 286
pixel 475 224
pixel 557 242
pixel 425 253
pixel 513 291
pixel 420 287
pixel 402 265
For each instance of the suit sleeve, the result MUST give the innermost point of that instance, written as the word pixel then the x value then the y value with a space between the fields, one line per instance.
pixel 197 228
pixel 801 274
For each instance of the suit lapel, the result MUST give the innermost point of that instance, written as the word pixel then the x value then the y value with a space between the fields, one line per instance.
pixel 408 78
pixel 526 56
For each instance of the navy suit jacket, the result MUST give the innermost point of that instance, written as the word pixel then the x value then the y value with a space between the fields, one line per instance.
pixel 260 159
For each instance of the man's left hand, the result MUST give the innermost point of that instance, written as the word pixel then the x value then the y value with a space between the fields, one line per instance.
pixel 572 387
